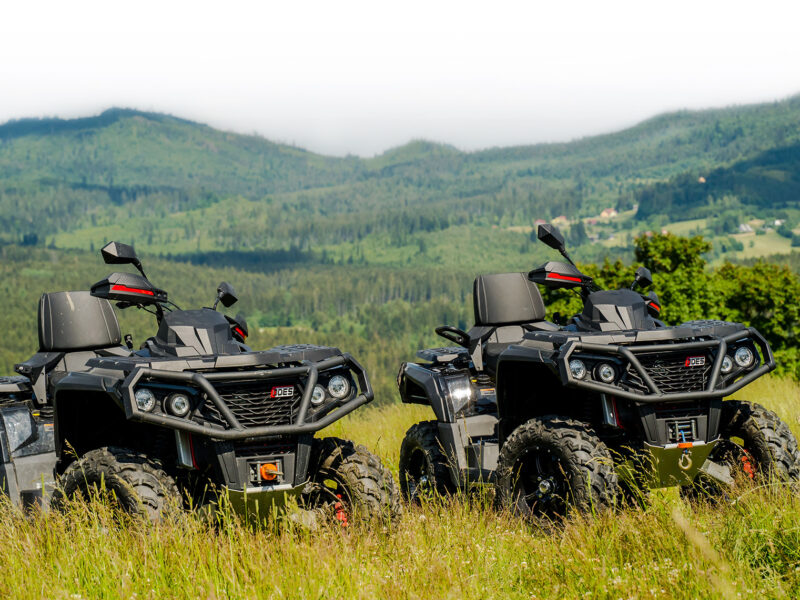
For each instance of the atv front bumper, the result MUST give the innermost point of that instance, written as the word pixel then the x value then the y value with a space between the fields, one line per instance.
pixel 627 354
pixel 235 430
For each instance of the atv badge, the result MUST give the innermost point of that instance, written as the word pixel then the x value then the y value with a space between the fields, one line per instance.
pixel 282 391
pixel 695 361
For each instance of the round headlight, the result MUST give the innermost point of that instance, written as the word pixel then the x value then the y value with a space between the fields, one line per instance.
pixel 145 399
pixel 179 404
pixel 577 368
pixel 318 395
pixel 339 387
pixel 743 357
pixel 606 373
pixel 727 364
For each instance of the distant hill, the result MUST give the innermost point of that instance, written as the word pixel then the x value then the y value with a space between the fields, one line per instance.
pixel 180 187
pixel 770 180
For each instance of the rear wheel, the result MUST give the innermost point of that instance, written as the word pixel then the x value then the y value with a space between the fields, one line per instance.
pixel 125 478
pixel 349 480
pixel 424 470
pixel 552 464
pixel 755 444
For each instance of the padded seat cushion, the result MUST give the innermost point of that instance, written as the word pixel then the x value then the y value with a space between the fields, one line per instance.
pixel 70 321
pixel 506 299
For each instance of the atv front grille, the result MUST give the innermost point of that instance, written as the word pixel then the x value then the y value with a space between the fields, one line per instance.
pixel 670 373
pixel 252 403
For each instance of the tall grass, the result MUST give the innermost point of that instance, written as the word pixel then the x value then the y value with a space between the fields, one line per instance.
pixel 460 548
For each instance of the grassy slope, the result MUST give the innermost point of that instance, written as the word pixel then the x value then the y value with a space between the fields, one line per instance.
pixel 182 187
pixel 460 549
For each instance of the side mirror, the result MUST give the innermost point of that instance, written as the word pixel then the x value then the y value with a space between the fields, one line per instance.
pixel 551 236
pixel 226 294
pixel 117 253
pixel 642 278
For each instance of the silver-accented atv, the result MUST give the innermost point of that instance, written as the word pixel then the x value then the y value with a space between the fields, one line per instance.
pixel 578 415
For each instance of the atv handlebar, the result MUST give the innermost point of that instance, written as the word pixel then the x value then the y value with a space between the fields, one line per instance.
pixel 655 394
pixel 236 430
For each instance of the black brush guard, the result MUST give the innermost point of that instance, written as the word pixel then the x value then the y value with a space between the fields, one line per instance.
pixel 629 353
pixel 236 431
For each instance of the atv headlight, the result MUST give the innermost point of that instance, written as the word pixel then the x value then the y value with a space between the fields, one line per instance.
pixel 606 373
pixel 179 404
pixel 145 399
pixel 743 357
pixel 318 395
pixel 339 387
pixel 459 389
pixel 577 368
pixel 727 364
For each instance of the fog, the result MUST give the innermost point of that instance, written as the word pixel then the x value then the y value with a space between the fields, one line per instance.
pixel 361 77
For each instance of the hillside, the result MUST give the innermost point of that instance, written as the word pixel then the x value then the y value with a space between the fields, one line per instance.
pixel 767 181
pixel 181 188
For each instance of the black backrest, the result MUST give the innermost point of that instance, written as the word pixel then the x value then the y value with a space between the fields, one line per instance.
pixel 506 299
pixel 71 321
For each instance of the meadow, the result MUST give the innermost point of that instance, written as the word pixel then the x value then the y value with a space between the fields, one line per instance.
pixel 453 548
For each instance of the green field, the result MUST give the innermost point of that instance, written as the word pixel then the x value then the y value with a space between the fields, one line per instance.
pixel 458 548
pixel 369 255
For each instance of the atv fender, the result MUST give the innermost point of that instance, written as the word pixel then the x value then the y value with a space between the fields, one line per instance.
pixel 421 385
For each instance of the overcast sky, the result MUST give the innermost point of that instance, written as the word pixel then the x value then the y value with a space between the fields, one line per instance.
pixel 359 77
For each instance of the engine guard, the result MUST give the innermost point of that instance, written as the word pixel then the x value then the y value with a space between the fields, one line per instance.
pixel 259 502
pixel 677 464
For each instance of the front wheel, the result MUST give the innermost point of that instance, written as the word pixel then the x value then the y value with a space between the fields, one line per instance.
pixel 424 469
pixel 755 445
pixel 125 478
pixel 552 464
pixel 349 480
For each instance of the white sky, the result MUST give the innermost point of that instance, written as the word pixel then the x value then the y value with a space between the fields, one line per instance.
pixel 360 77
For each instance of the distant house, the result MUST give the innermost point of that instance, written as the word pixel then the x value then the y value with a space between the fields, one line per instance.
pixel 591 221
pixel 701 179
pixel 608 213
pixel 745 228
pixel 560 220
pixel 538 222
pixel 778 222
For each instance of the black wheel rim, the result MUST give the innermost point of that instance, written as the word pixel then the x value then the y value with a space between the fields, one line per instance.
pixel 540 484
pixel 741 460
pixel 330 495
pixel 417 476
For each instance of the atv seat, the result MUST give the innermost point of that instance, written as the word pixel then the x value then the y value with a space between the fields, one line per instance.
pixel 506 305
pixel 73 326
pixel 70 321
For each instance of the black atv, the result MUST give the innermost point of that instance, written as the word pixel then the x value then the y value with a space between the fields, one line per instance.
pixel 588 413
pixel 192 413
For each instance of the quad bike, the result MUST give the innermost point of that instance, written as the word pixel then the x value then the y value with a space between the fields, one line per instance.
pixel 191 413
pixel 589 413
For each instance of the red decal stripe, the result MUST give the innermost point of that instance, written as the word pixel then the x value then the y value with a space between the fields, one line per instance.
pixel 563 277
pixel 123 288
pixel 656 306
pixel 240 332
